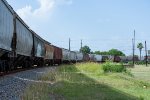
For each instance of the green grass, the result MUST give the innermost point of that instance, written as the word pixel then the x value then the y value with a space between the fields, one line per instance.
pixel 141 72
pixel 87 81
pixel 110 66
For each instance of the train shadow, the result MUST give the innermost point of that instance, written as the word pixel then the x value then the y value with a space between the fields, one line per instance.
pixel 76 85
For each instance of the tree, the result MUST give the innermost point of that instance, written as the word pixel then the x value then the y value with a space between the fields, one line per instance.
pixel 97 52
pixel 140 47
pixel 91 52
pixel 102 53
pixel 85 50
pixel 116 52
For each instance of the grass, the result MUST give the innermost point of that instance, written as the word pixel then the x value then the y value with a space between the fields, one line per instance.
pixel 141 72
pixel 87 81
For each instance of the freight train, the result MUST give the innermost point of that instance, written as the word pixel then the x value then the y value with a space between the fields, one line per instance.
pixel 21 47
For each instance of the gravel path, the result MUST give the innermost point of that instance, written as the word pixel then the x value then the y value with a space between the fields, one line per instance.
pixel 12 86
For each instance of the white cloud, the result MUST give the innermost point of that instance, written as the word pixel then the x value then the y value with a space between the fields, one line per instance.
pixel 38 19
pixel 44 11
pixel 46 7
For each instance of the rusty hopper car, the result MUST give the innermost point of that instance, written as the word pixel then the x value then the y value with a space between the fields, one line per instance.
pixel 57 55
pixel 6 34
pixel 49 53
pixel 92 57
pixel 86 57
pixel 117 59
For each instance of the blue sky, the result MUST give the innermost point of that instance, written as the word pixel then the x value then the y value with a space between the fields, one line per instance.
pixel 102 24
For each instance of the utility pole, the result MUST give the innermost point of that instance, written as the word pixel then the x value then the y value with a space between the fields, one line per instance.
pixel 69 44
pixel 81 44
pixel 146 52
pixel 133 51
pixel 133 42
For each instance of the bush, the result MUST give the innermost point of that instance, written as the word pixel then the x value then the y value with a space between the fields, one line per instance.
pixel 130 62
pixel 113 67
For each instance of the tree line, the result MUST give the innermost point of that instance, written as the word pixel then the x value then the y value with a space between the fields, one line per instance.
pixel 86 50
pixel 115 52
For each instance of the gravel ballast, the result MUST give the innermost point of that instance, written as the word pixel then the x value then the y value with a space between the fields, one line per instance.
pixel 12 86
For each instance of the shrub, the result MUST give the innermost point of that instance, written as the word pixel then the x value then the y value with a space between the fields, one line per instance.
pixel 130 62
pixel 113 67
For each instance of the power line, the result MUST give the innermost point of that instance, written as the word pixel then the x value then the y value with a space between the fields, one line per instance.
pixel 133 42
pixel 81 46
pixel 146 52
pixel 69 44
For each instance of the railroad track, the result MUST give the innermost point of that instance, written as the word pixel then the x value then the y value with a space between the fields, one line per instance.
pixel 12 72
pixel 18 70
pixel 13 84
